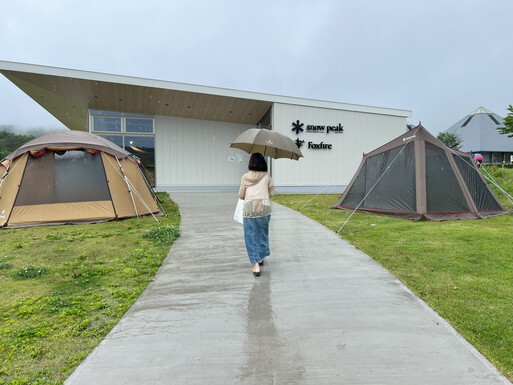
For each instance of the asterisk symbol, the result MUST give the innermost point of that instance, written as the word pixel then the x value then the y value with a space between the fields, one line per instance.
pixel 297 127
pixel 299 142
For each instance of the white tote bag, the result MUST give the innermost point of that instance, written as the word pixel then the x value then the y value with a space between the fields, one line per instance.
pixel 237 216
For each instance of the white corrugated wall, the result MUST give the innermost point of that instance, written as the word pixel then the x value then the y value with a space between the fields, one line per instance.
pixel 195 154
pixel 334 168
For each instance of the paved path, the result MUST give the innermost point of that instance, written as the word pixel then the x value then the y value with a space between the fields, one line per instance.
pixel 321 313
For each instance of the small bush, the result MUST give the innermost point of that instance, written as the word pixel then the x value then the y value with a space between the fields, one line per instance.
pixel 29 272
pixel 163 234
pixel 5 265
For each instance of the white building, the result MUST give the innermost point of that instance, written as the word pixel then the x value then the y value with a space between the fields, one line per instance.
pixel 182 132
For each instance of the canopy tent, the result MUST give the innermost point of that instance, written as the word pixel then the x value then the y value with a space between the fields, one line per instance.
pixel 415 176
pixel 72 177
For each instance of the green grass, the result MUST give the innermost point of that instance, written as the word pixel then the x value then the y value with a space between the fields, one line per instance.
pixel 462 269
pixel 65 287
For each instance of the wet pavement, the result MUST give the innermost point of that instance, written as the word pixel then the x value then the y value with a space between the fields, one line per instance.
pixel 322 312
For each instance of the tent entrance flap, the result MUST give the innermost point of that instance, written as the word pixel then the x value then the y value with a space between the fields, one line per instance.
pixel 443 192
pixel 396 191
pixel 75 176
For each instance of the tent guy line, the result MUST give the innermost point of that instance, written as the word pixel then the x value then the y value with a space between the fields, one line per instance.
pixel 407 140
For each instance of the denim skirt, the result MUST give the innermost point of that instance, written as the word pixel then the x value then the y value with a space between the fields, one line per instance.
pixel 256 236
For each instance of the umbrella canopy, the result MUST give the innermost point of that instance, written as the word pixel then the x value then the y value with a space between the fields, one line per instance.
pixel 268 143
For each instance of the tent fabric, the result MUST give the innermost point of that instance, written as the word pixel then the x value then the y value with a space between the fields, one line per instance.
pixel 416 177
pixel 83 180
pixel 69 140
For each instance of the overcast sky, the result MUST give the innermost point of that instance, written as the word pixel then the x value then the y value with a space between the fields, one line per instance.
pixel 441 59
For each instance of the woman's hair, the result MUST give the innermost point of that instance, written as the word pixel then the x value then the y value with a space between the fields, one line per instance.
pixel 257 162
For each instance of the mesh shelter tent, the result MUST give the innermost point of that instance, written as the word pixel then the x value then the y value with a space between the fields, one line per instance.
pixel 72 177
pixel 415 176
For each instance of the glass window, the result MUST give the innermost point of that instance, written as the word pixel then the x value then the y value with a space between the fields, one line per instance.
pixel 497 157
pixel 105 113
pixel 144 148
pixel 105 124
pixel 139 125
pixel 116 139
pixel 130 131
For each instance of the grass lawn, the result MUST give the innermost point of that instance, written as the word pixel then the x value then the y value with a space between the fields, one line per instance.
pixel 65 287
pixel 462 269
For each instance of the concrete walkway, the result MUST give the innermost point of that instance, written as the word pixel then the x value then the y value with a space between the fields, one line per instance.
pixel 321 313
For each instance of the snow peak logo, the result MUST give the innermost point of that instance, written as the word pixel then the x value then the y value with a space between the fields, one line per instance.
pixel 297 126
pixel 327 129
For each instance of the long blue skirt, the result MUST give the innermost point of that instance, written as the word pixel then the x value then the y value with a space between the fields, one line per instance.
pixel 256 236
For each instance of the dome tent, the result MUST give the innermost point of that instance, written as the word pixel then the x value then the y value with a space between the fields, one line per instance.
pixel 71 177
pixel 415 176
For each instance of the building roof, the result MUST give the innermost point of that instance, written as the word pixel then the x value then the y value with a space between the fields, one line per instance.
pixel 68 94
pixel 478 132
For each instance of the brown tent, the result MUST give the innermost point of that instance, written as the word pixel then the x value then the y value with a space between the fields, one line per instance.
pixel 415 176
pixel 72 177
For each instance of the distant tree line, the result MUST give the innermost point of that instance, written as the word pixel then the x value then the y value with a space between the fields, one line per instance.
pixel 10 142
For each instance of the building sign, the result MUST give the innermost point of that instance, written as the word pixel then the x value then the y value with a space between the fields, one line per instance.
pixel 299 128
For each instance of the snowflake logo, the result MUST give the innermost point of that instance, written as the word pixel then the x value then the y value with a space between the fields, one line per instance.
pixel 298 127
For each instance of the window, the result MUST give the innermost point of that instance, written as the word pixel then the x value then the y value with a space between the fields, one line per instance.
pixel 106 124
pixel 494 120
pixel 467 121
pixel 139 125
pixel 497 157
pixel 110 121
pixel 133 132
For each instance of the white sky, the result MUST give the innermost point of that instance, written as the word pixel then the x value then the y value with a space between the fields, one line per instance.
pixel 441 59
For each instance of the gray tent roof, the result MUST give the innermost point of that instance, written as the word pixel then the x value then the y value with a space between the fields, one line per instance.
pixel 68 140
pixel 478 132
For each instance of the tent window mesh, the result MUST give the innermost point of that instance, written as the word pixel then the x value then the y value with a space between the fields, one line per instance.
pixel 395 190
pixel 75 176
pixel 481 195
pixel 444 194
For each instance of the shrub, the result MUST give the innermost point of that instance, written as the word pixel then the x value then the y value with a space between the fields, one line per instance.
pixel 163 234
pixel 29 272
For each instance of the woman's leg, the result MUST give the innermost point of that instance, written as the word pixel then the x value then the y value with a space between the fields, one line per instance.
pixel 262 237
pixel 250 236
pixel 265 251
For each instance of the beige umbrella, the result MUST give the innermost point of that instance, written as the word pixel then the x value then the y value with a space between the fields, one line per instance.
pixel 268 143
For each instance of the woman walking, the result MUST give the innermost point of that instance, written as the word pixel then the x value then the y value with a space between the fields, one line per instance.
pixel 256 188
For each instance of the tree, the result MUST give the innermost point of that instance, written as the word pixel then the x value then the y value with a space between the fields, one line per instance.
pixel 10 142
pixel 508 124
pixel 450 140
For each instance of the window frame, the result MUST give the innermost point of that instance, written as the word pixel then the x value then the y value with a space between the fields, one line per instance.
pixel 123 116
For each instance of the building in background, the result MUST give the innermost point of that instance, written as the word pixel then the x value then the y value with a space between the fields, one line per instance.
pixel 182 132
pixel 479 134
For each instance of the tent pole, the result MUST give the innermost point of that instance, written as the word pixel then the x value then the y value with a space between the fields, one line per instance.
pixel 128 185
